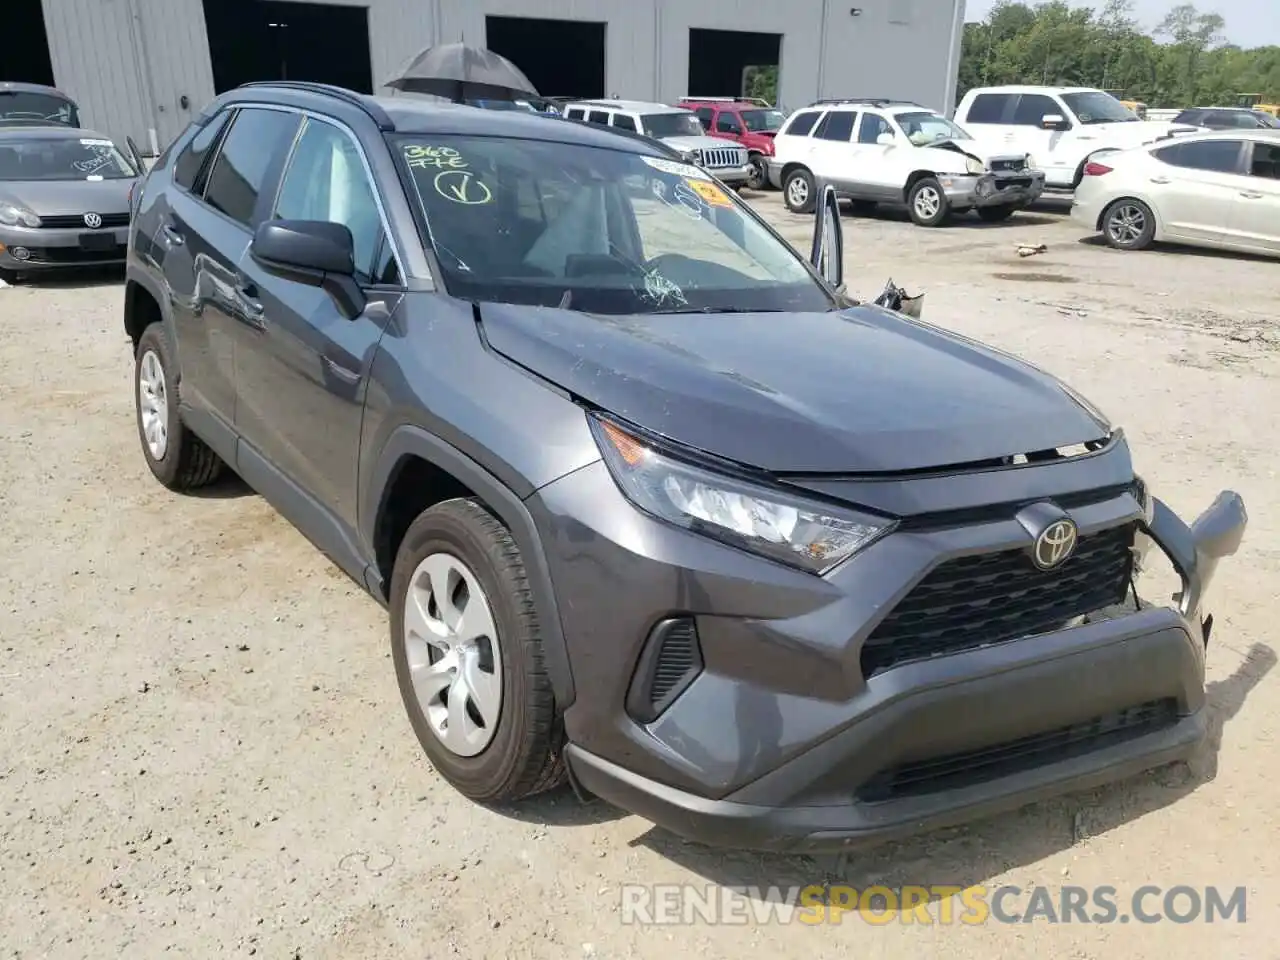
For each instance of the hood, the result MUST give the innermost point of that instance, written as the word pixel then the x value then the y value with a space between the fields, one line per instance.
pixel 51 198
pixel 984 153
pixel 700 143
pixel 862 390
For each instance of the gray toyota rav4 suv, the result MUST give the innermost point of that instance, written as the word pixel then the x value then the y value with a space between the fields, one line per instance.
pixel 653 504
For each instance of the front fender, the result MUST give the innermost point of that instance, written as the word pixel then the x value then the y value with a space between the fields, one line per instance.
pixel 1196 549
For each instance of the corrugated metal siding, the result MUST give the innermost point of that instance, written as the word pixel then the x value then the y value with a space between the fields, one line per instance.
pixel 176 48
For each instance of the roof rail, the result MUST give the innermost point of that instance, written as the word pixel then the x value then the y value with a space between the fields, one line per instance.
pixel 759 101
pixel 375 112
pixel 871 101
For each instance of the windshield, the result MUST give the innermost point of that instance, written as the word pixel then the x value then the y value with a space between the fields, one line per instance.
pixel 597 230
pixel 922 128
pixel 663 125
pixel 49 159
pixel 1094 106
pixel 22 107
pixel 762 120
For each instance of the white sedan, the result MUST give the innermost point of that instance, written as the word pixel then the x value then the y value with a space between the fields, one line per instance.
pixel 1210 190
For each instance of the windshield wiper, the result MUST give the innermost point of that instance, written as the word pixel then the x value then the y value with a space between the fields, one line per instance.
pixel 723 310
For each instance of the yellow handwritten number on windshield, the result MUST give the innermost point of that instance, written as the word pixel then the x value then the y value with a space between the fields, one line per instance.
pixel 462 186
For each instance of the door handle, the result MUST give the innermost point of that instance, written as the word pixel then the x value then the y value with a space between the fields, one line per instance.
pixel 172 233
pixel 247 291
pixel 344 374
pixel 1159 179
pixel 1250 195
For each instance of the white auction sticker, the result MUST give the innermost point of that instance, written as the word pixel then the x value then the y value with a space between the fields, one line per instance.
pixel 678 169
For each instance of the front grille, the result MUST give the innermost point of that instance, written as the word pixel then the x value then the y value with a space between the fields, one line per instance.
pixel 1005 182
pixel 992 597
pixel 723 157
pixel 959 770
pixel 1006 166
pixel 75 221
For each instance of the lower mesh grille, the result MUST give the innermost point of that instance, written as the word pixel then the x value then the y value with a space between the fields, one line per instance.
pixel 960 770
pixel 672 659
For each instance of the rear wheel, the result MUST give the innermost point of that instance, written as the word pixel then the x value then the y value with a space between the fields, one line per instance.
pixel 997 214
pixel 927 204
pixel 1128 225
pixel 177 457
pixel 798 191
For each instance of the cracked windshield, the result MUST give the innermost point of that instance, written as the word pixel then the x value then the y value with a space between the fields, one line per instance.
pixel 597 230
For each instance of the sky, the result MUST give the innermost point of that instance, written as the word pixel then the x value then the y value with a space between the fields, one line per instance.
pixel 1250 23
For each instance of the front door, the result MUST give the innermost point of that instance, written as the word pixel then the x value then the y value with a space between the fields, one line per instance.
pixel 1257 219
pixel 303 372
pixel 1197 187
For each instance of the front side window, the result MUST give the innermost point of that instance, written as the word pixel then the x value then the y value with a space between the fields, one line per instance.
pixel 924 128
pixel 326 181
pixel 192 158
pixel 727 123
pixel 762 121
pixel 599 116
pixel 1217 156
pixel 624 121
pixel 21 107
pixel 47 158
pixel 1094 106
pixel 663 125
pixel 240 171
pixel 597 230
pixel 575 113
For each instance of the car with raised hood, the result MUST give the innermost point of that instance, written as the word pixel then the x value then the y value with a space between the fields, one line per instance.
pixel 676 127
pixel 653 504
pixel 64 199
pixel 34 104
pixel 887 151
pixel 1062 127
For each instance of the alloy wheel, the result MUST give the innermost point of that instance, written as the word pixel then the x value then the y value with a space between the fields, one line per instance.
pixel 153 402
pixel 927 203
pixel 1126 224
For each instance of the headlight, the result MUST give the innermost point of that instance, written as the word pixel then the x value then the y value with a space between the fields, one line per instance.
pixel 975 167
pixel 1030 162
pixel 16 216
pixel 812 536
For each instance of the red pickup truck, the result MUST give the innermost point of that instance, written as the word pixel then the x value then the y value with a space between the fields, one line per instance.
pixel 752 123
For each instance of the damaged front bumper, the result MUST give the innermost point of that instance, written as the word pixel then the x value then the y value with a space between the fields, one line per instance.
pixel 968 191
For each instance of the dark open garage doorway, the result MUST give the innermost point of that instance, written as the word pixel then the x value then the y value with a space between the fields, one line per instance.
pixel 561 58
pixel 272 40
pixel 26 45
pixel 734 63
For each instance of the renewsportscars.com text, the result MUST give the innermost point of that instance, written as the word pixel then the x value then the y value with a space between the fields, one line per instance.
pixel 675 904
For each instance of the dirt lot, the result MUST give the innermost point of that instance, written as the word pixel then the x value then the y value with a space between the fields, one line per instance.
pixel 204 750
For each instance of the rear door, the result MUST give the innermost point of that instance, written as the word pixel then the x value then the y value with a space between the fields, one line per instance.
pixel 831 157
pixel 302 370
pixel 201 238
pixel 1198 187
pixel 794 142
pixel 1258 211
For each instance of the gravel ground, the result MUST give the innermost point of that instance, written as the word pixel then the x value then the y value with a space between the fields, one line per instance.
pixel 204 751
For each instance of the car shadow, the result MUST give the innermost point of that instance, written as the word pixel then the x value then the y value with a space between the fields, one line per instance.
pixel 1171 249
pixel 965 221
pixel 229 486
pixel 970 855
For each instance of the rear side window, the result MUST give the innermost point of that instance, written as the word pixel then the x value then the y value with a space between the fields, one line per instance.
pixel 192 159
pixel 575 113
pixel 1188 116
pixel 1034 107
pixel 801 124
pixel 255 140
pixel 837 125
pixel 624 121
pixel 598 116
pixel 987 108
pixel 1219 156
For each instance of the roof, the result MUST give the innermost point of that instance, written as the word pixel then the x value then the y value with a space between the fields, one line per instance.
pixel 13 86
pixel 634 106
pixel 49 132
pixel 1236 133
pixel 407 113
pixel 1032 88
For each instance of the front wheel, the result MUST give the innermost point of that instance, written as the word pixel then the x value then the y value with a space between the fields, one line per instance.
pixel 927 204
pixel 798 191
pixel 1129 225
pixel 758 177
pixel 467 649
pixel 996 214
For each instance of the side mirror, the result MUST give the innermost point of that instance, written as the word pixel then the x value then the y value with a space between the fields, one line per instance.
pixel 828 239
pixel 315 252
pixel 886 139
pixel 1054 121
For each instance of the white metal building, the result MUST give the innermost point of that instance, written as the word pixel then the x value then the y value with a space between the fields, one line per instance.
pixel 143 67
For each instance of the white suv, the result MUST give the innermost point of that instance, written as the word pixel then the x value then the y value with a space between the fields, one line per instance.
pixel 678 128
pixel 875 151
pixel 1063 127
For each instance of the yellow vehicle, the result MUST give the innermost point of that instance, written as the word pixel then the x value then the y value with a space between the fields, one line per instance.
pixel 1254 101
pixel 1137 106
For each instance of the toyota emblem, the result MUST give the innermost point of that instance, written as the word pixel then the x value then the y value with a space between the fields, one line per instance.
pixel 1055 544
pixel 92 220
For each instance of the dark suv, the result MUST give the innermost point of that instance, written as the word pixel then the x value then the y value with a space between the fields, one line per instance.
pixel 651 502
pixel 1228 118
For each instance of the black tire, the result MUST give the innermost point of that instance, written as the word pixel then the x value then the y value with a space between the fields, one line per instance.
pixel 997 214
pixel 758 178
pixel 186 462
pixel 927 203
pixel 1128 224
pixel 799 192
pixel 525 755
pixel 863 208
